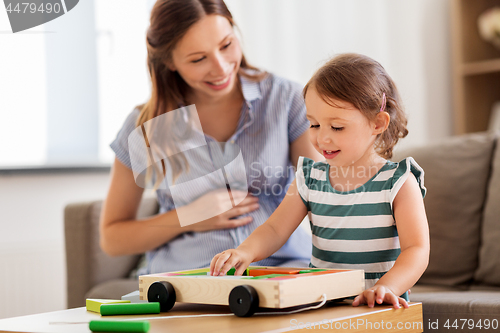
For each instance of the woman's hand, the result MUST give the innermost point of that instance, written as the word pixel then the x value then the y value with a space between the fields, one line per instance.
pixel 224 261
pixel 216 201
pixel 379 294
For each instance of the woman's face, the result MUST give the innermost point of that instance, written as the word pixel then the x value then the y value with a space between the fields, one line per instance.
pixel 208 57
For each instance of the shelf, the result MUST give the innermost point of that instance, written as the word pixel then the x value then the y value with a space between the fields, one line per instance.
pixel 475 67
pixel 473 48
pixel 481 67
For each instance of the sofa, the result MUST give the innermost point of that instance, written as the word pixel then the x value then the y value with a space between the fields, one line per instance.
pixel 91 273
pixel 461 284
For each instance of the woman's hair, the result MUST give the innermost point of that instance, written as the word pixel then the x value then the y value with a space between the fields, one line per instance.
pixel 170 20
pixel 362 81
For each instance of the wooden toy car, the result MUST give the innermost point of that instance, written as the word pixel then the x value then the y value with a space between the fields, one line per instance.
pixel 266 287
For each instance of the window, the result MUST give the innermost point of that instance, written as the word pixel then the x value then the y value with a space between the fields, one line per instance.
pixel 67 85
pixel 23 102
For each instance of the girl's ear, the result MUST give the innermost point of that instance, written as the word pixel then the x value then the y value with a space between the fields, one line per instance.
pixel 381 122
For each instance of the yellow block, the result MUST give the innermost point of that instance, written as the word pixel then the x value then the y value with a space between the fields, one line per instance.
pixel 94 304
pixel 193 271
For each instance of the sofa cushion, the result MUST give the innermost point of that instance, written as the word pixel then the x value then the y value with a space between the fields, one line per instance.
pixel 103 267
pixel 432 288
pixel 461 308
pixel 456 172
pixel 488 271
pixel 113 289
pixel 484 287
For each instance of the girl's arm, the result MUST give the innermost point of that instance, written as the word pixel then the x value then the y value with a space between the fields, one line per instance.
pixel 413 230
pixel 122 233
pixel 266 239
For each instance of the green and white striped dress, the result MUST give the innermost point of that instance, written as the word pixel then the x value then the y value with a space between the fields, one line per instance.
pixel 354 229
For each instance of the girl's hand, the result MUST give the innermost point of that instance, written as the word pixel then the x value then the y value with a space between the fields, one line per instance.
pixel 379 294
pixel 217 201
pixel 224 261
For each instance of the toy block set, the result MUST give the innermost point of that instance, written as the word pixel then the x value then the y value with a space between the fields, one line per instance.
pixel 265 287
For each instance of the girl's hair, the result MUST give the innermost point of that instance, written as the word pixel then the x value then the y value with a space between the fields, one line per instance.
pixel 169 22
pixel 362 81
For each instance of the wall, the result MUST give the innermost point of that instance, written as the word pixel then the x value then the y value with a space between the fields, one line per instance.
pixel 32 259
pixel 410 38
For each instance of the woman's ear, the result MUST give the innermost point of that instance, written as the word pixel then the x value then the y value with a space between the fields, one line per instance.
pixel 381 122
pixel 171 66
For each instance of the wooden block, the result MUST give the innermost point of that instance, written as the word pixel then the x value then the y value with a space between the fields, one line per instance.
pixel 94 304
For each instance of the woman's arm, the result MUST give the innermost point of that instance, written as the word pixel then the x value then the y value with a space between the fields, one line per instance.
pixel 266 239
pixel 413 231
pixel 302 147
pixel 121 232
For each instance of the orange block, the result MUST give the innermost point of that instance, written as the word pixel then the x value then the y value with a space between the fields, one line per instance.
pixel 267 271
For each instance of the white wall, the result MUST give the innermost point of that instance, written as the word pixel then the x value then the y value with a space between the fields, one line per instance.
pixel 32 259
pixel 410 38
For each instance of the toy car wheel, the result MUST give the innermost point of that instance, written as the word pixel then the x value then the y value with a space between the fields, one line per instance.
pixel 243 301
pixel 162 292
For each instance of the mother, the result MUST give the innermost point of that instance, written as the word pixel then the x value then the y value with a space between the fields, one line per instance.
pixel 194 57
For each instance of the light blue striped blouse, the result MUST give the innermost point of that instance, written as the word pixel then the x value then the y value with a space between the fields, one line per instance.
pixel 272 117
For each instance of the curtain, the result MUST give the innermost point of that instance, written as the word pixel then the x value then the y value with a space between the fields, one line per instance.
pixel 410 38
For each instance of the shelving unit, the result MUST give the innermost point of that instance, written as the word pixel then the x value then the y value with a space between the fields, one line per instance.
pixel 475 67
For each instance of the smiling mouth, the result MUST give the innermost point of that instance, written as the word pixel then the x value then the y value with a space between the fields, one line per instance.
pixel 220 82
pixel 329 154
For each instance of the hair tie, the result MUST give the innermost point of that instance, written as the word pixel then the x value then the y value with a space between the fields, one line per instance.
pixel 384 101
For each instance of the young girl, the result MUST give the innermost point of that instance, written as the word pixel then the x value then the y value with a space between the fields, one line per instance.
pixel 366 212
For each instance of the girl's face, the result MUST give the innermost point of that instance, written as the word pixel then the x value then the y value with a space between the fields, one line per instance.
pixel 341 133
pixel 208 57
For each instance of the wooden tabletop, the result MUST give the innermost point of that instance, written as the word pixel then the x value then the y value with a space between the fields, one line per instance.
pixel 192 318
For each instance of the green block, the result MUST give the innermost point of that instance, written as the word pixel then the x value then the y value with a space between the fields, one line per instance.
pixel 233 270
pixel 118 326
pixel 312 270
pixel 130 309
